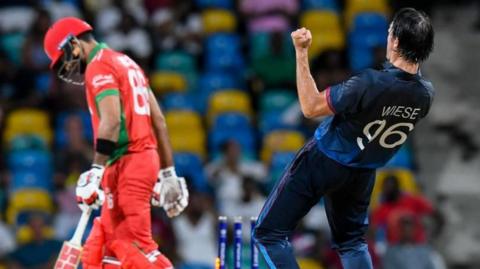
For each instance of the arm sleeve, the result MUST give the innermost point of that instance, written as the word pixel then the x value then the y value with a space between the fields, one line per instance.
pixel 347 96
pixel 102 79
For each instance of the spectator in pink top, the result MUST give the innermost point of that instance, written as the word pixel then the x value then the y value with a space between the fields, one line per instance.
pixel 269 15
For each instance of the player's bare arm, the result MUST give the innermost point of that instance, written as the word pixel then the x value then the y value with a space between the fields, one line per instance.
pixel 170 191
pixel 161 132
pixel 109 127
pixel 312 102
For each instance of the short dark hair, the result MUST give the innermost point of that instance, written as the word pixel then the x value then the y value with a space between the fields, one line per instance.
pixel 86 36
pixel 415 34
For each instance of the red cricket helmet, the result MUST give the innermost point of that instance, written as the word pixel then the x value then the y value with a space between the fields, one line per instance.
pixel 59 33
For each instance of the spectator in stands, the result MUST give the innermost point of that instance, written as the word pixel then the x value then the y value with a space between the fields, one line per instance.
pixel 408 253
pixel 131 39
pixel 396 204
pixel 269 15
pixel 226 174
pixel 40 253
pixel 169 33
pixel 195 232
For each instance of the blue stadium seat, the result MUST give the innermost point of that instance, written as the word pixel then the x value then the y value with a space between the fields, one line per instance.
pixel 33 161
pixel 31 179
pixel 320 4
pixel 225 62
pixel 271 121
pixel 244 137
pixel 227 43
pixel 370 21
pixel 27 142
pixel 362 45
pixel 402 159
pixel 60 135
pixel 190 165
pixel 194 266
pixel 178 101
pixel 225 4
pixel 232 121
pixel 278 163
pixel 211 82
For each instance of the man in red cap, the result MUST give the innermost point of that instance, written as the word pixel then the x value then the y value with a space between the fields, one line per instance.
pixel 132 157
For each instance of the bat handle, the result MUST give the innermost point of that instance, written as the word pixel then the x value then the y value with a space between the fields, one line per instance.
pixel 82 224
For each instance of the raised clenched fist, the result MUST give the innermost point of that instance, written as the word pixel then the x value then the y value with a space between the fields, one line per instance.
pixel 302 38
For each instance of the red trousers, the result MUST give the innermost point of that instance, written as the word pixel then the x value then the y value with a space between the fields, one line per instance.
pixel 125 218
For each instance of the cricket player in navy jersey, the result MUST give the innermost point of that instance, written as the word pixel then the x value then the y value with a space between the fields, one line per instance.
pixel 370 117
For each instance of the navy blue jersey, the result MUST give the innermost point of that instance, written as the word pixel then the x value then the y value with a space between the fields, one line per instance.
pixel 374 113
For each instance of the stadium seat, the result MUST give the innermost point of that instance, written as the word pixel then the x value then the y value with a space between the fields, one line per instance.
pixel 188 141
pixel 191 166
pixel 361 48
pixel 31 179
pixel 354 7
pixel 229 101
pixel 60 121
pixel 30 166
pixel 225 4
pixel 273 121
pixel 277 100
pixel 178 101
pixel 278 164
pixel 178 61
pixel 12 45
pixel 309 263
pixel 225 61
pixel 406 182
pixel 281 141
pixel 28 122
pixel 163 82
pixel 244 137
pixel 232 121
pixel 321 21
pixel 370 21
pixel 402 159
pixel 179 120
pixel 323 41
pixel 209 82
pixel 224 42
pixel 330 5
pixel 27 142
pixel 218 20
pixel 28 200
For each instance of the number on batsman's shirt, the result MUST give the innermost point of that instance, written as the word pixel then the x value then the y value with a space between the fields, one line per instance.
pixel 374 113
pixel 112 73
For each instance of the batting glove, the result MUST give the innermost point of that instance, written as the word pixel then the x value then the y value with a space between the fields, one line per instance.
pixel 88 189
pixel 170 192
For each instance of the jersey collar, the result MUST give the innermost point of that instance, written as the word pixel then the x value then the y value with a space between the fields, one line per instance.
pixel 389 67
pixel 95 50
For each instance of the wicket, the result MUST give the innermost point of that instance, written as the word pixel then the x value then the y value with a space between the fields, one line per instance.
pixel 237 244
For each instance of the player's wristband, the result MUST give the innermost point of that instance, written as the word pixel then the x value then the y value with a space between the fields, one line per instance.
pixel 167 172
pixel 105 146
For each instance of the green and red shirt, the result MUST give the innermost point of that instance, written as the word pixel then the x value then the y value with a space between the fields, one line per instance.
pixel 112 73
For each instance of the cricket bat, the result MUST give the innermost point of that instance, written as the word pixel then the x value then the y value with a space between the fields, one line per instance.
pixel 69 256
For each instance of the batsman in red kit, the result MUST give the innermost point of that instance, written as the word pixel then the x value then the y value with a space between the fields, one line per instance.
pixel 132 167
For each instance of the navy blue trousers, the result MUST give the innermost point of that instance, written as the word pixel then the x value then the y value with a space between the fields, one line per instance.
pixel 310 176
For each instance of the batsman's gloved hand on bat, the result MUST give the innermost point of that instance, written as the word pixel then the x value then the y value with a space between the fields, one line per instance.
pixel 88 189
pixel 170 192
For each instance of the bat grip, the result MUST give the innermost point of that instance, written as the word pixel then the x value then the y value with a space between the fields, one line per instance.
pixel 82 224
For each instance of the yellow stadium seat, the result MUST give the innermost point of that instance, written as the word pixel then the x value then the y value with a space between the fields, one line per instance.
pixel 188 141
pixel 164 81
pixel 229 101
pixel 218 20
pixel 323 41
pixel 308 263
pixel 353 7
pixel 321 21
pixel 406 182
pixel 28 122
pixel 28 199
pixel 183 120
pixel 281 141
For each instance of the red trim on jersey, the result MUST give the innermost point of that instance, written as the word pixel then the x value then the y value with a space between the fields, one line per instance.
pixel 329 100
